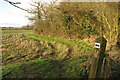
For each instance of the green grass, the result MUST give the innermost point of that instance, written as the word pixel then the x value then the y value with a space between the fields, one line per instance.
pixel 83 46
pixel 71 42
pixel 45 69
pixel 48 66
pixel 14 31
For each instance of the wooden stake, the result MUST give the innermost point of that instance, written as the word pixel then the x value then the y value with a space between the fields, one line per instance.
pixel 100 46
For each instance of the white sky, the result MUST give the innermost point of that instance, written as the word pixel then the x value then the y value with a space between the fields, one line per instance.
pixel 11 16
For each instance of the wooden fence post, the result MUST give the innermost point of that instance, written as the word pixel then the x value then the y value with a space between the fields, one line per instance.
pixel 100 46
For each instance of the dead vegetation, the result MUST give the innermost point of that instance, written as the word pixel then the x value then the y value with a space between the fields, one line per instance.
pixel 17 48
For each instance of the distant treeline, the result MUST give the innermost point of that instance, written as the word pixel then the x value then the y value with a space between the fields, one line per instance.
pixel 14 28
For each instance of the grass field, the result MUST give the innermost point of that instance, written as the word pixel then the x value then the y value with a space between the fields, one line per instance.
pixel 33 56
pixel 14 31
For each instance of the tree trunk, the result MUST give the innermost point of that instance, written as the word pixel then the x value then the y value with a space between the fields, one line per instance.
pixel 118 39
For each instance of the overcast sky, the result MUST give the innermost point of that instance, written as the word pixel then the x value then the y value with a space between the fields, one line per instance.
pixel 11 16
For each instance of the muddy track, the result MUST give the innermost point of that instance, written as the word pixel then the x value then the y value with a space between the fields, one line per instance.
pixel 17 48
